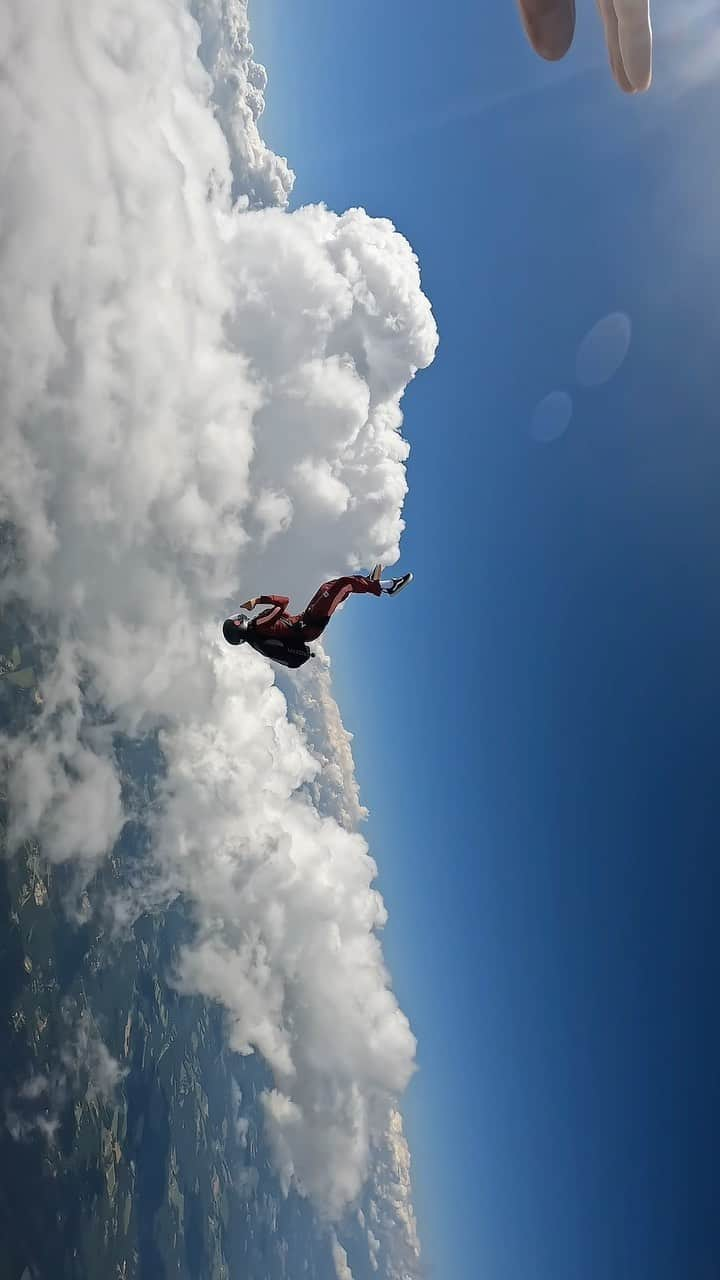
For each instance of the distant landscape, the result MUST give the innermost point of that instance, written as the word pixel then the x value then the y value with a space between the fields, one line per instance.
pixel 131 1138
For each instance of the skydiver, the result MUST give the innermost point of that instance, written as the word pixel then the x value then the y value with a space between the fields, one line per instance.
pixel 283 636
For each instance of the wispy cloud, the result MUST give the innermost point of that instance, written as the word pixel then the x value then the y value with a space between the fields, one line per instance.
pixel 84 1069
pixel 689 38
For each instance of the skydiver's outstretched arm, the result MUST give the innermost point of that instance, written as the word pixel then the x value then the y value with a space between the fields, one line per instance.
pixel 281 602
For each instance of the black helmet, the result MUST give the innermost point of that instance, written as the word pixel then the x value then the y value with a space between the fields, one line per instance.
pixel 234 630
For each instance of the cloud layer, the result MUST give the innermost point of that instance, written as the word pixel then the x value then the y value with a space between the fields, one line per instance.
pixel 201 401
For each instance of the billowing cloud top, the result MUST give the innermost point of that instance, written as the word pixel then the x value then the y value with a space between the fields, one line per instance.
pixel 201 401
pixel 238 83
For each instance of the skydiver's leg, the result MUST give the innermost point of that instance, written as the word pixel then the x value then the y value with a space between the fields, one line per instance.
pixel 392 586
pixel 331 594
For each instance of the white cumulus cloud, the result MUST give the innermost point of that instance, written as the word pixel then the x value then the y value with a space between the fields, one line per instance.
pixel 201 401
pixel 238 87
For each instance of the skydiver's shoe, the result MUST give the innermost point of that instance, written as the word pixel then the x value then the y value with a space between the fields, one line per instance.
pixel 376 573
pixel 398 584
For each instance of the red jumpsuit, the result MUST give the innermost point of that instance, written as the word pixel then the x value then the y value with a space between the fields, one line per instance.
pixel 277 623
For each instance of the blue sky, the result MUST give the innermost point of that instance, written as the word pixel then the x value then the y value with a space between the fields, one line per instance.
pixel 535 720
